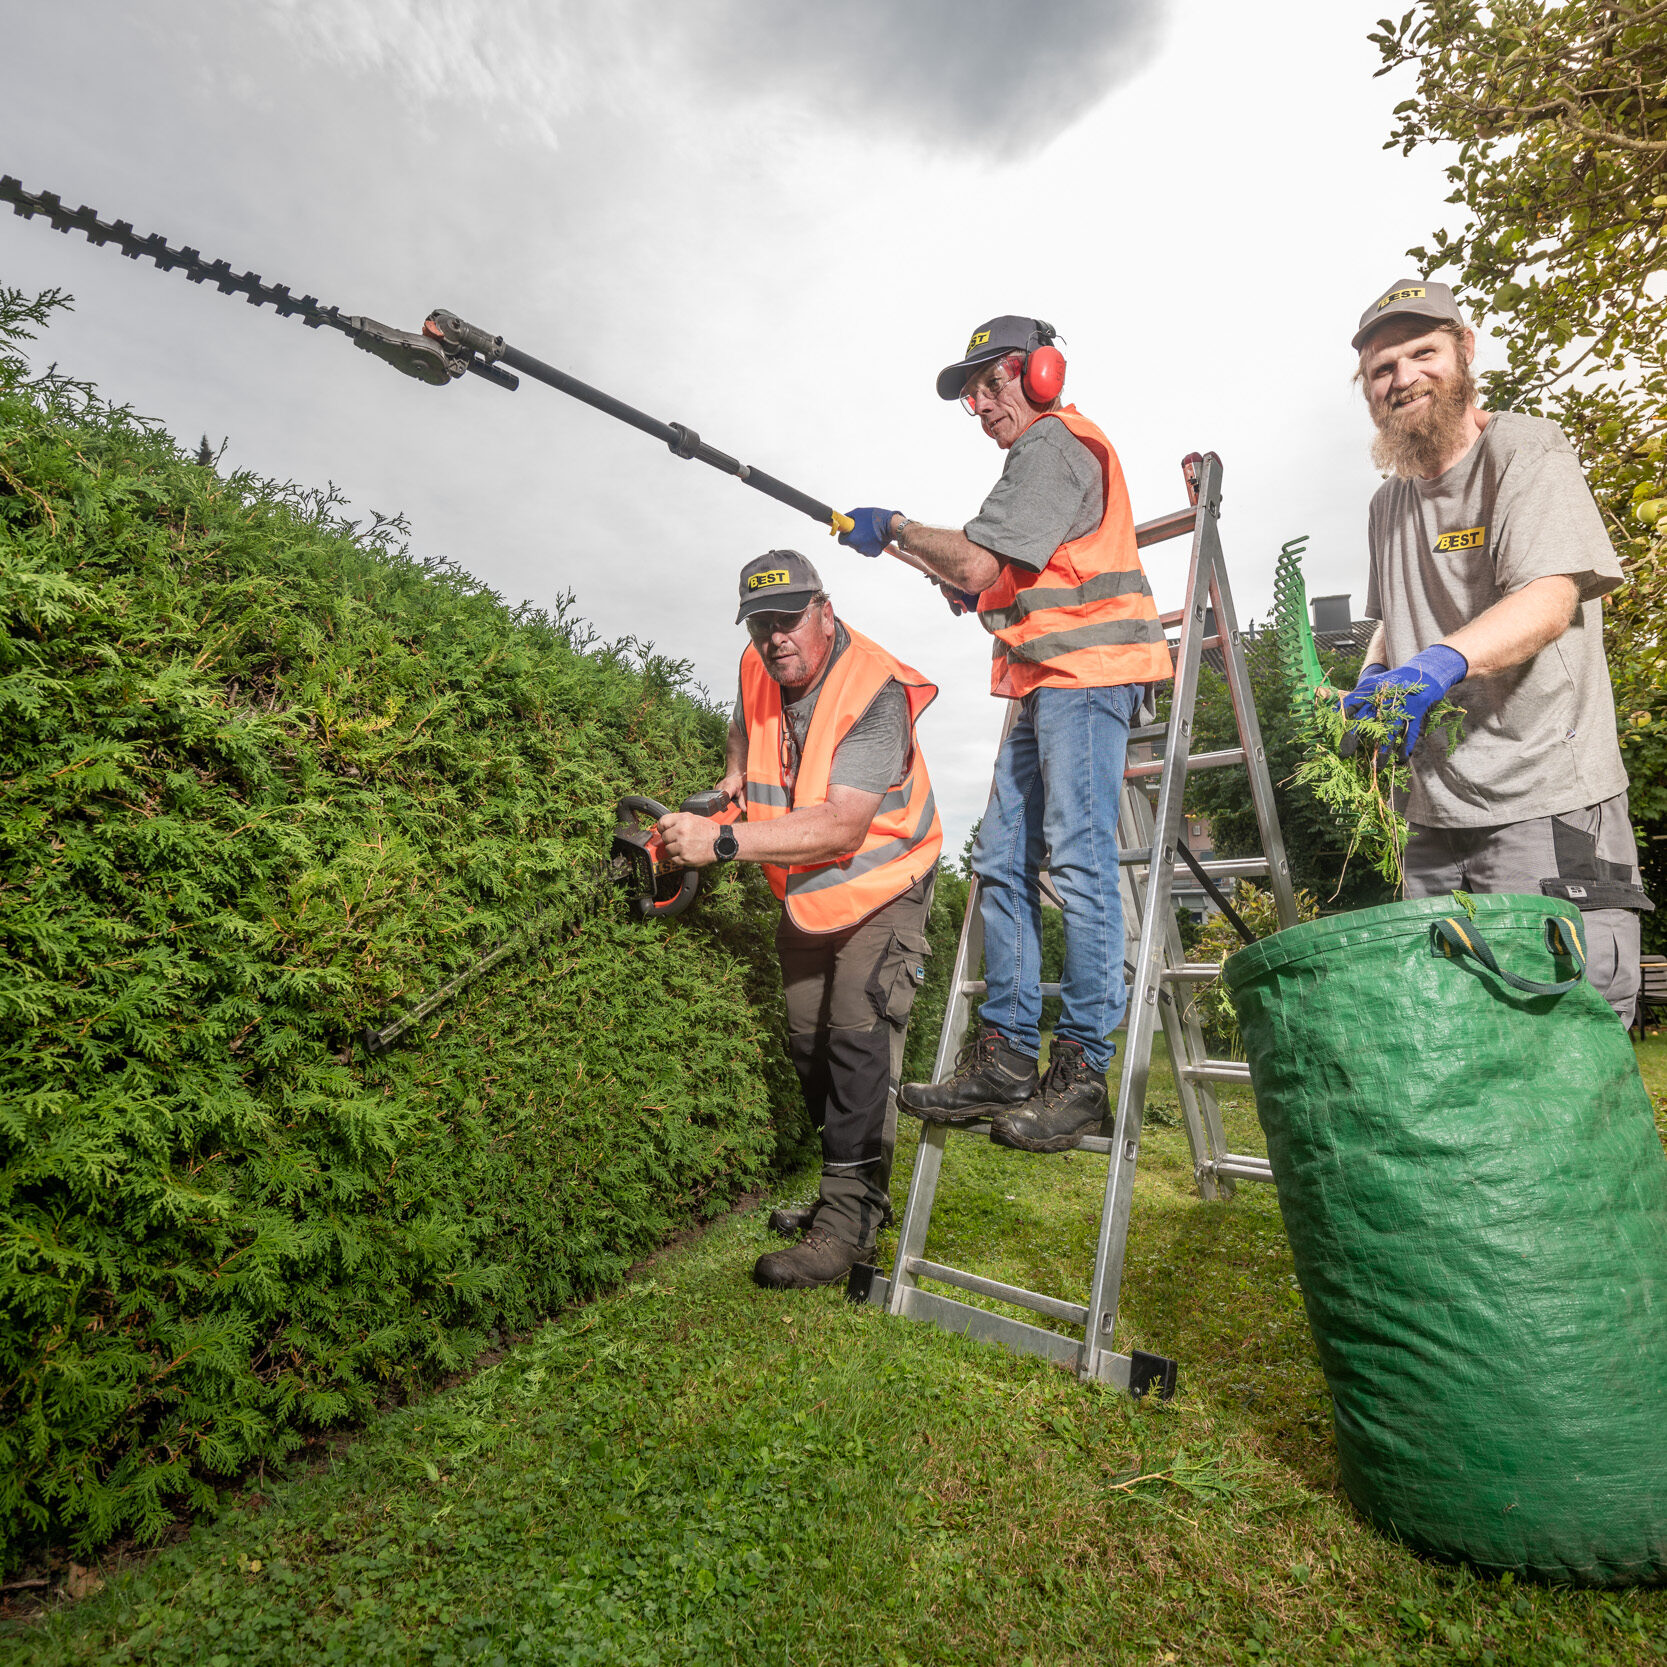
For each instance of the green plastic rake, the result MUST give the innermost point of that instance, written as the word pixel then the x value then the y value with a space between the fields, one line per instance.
pixel 1298 658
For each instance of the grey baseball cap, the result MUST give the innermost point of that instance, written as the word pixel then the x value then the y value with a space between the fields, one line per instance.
pixel 991 340
pixel 778 582
pixel 1418 296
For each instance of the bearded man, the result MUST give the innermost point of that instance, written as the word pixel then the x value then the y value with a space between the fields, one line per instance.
pixel 1488 562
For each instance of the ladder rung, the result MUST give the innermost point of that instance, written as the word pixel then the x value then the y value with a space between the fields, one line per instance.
pixel 976 987
pixel 1072 1312
pixel 1218 868
pixel 1099 1143
pixel 1149 732
pixel 1196 761
pixel 1190 972
pixel 1166 526
pixel 1236 1166
pixel 1217 1070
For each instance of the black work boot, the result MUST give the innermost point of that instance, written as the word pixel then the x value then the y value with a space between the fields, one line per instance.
pixel 790 1220
pixel 817 1259
pixel 990 1077
pixel 1072 1103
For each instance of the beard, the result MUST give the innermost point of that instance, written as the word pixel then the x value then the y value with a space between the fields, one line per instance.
pixel 1415 439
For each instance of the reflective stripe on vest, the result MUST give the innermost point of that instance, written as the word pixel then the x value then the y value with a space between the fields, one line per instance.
pixel 904 838
pixel 1088 619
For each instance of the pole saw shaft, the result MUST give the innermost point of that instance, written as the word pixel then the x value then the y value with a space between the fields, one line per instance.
pixel 679 438
pixel 447 347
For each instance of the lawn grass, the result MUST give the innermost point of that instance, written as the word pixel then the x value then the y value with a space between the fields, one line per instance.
pixel 694 1470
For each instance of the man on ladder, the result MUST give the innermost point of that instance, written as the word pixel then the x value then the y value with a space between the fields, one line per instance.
pixel 1051 566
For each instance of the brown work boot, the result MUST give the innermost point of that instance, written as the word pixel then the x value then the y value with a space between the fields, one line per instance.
pixel 1072 1103
pixel 790 1220
pixel 990 1077
pixel 817 1259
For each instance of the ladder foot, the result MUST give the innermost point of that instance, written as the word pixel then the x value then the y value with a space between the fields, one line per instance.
pixel 1147 1372
pixel 859 1282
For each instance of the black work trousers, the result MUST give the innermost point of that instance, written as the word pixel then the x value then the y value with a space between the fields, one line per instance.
pixel 849 994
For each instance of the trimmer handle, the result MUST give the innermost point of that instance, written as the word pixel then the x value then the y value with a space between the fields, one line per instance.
pixel 647 850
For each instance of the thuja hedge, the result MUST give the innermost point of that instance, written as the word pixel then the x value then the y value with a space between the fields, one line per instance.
pixel 264 776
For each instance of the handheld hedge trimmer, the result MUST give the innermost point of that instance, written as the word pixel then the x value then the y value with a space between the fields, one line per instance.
pixel 664 890
pixel 661 891
pixel 445 349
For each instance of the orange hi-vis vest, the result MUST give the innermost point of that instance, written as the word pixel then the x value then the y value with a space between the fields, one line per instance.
pixel 1087 620
pixel 905 837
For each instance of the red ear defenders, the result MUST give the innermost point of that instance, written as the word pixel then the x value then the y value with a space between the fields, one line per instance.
pixel 1044 375
pixel 1043 379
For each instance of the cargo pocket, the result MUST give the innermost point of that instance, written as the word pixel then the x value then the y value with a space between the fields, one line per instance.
pixel 1587 880
pixel 899 973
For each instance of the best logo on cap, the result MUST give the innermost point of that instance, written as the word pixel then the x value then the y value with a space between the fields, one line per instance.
pixel 776 582
pixel 1415 292
pixel 1417 297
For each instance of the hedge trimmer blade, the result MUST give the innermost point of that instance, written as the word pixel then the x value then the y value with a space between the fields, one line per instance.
pixel 1298 657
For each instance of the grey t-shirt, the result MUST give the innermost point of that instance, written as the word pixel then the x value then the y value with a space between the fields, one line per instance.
pixel 1051 491
pixel 870 758
pixel 1539 739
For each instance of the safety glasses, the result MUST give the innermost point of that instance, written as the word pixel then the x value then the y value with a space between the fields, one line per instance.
pixel 761 627
pixel 990 379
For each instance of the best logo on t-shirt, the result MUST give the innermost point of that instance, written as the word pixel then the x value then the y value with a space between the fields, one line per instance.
pixel 1463 538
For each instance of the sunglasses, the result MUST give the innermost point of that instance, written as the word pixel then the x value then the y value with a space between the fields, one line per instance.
pixel 761 627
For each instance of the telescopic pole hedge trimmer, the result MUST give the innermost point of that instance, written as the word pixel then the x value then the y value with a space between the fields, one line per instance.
pixel 446 348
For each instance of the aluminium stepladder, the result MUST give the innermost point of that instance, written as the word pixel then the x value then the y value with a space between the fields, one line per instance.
pixel 1144 832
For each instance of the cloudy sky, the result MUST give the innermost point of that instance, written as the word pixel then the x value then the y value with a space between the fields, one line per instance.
pixel 771 220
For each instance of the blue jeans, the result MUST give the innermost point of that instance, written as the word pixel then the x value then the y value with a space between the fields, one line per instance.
pixel 1054 804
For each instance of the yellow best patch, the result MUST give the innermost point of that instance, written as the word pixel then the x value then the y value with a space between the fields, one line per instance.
pixel 775 576
pixel 978 339
pixel 1466 538
pixel 1416 293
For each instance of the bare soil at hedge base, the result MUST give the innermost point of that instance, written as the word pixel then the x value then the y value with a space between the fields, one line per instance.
pixel 692 1470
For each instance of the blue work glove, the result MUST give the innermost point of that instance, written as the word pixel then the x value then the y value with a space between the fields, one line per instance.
pixel 1426 677
pixel 1358 701
pixel 872 532
pixel 1359 698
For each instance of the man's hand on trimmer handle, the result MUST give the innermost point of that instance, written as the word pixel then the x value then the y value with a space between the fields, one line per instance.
pixel 1425 680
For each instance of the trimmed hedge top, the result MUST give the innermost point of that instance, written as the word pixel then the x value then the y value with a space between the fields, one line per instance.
pixel 263 776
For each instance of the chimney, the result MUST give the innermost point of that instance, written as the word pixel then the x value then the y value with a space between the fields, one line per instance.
pixel 1331 613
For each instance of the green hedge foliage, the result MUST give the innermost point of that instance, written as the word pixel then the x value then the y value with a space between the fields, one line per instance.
pixel 263 776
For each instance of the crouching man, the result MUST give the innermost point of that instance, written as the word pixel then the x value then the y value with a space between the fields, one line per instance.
pixel 839 810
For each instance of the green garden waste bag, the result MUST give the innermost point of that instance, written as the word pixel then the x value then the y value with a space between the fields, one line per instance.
pixel 1476 1198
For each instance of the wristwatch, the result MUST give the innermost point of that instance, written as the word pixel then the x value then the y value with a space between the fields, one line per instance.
pixel 897 537
pixel 726 847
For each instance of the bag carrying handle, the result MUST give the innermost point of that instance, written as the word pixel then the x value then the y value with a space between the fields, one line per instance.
pixel 1454 940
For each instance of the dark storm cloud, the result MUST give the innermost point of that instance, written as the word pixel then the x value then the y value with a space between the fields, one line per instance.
pixel 996 77
pixel 992 75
